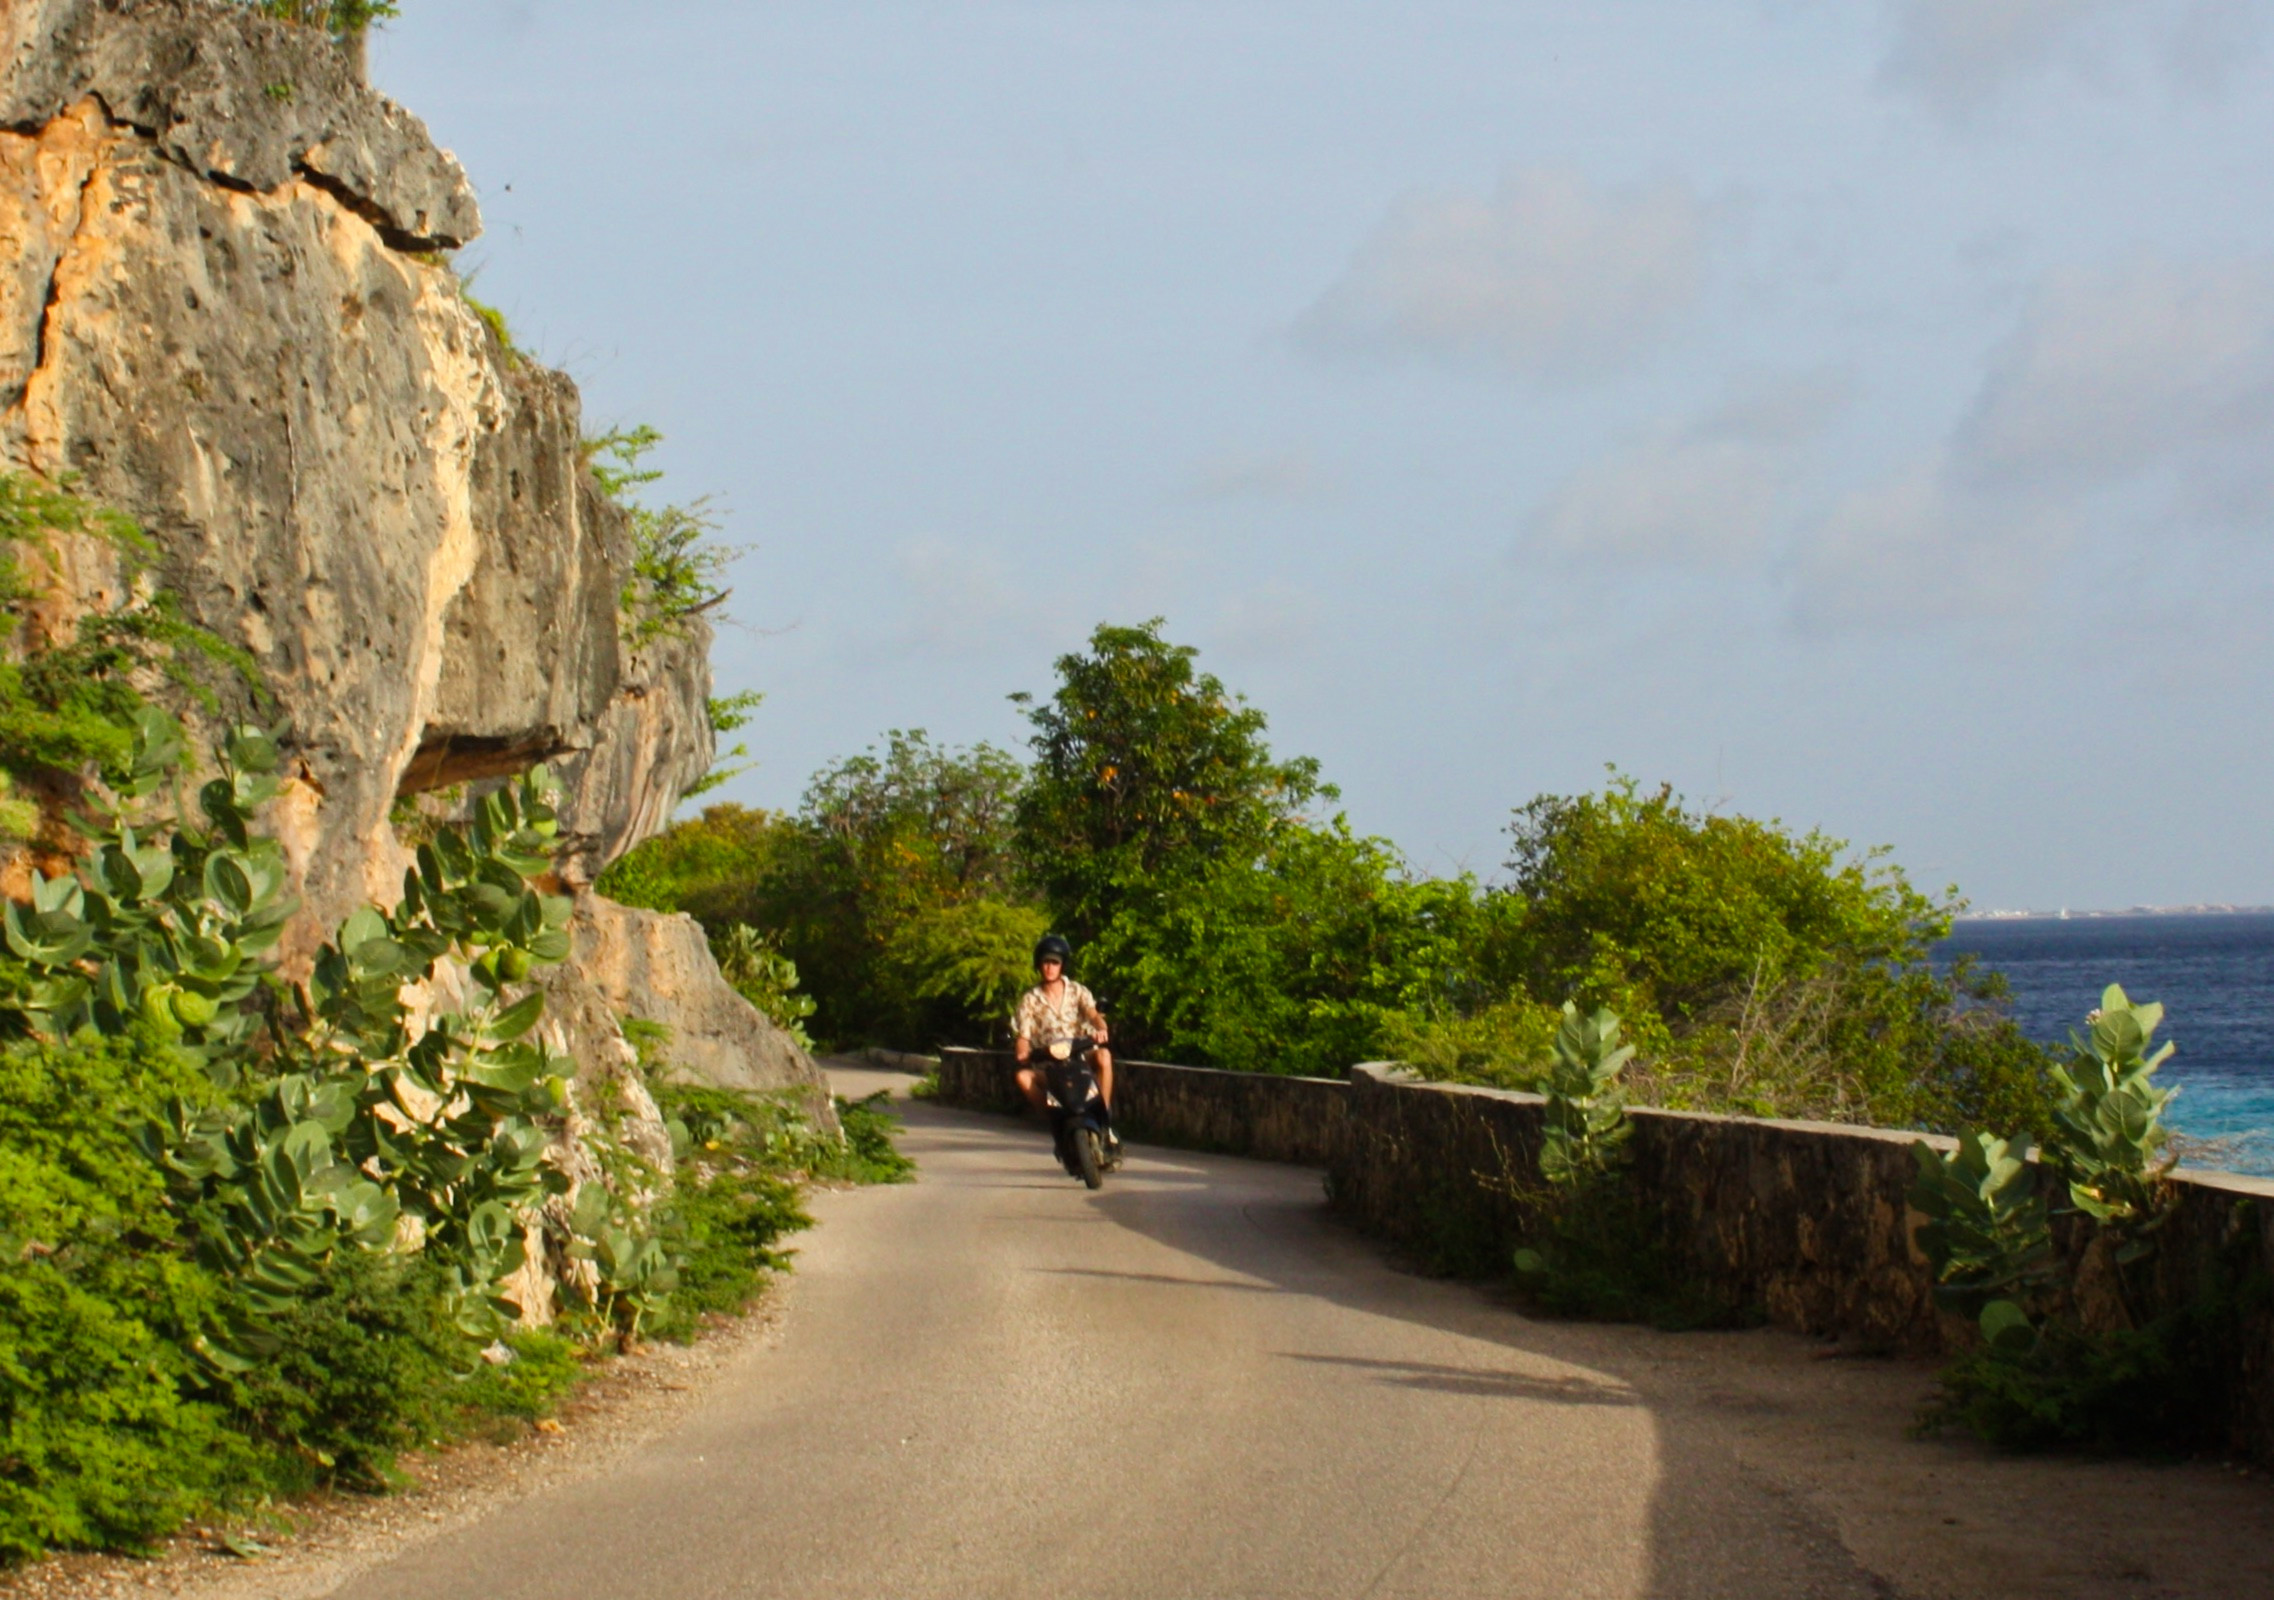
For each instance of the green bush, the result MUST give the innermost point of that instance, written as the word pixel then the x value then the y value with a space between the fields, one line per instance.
pixel 1762 971
pixel 103 1440
pixel 364 1365
pixel 868 1154
pixel 740 1160
pixel 709 866
pixel 2155 1389
pixel 757 970
pixel 1294 961
pixel 2157 1379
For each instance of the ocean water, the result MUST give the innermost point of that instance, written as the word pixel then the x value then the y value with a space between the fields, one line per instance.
pixel 2215 977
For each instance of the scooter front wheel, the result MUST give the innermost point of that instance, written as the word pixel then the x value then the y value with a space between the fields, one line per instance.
pixel 1086 1152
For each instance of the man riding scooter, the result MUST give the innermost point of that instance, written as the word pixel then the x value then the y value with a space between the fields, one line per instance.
pixel 1058 1011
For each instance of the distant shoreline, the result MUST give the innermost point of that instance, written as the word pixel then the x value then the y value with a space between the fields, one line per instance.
pixel 2071 915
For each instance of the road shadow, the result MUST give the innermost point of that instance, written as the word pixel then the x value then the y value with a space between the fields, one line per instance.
pixel 1777 1464
pixel 1490 1385
pixel 1714 1531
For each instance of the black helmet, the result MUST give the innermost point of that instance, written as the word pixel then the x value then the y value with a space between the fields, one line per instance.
pixel 1054 944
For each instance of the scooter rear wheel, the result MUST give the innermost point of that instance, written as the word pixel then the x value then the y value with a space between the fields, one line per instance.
pixel 1086 1152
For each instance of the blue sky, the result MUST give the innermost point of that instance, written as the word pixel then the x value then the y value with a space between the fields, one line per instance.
pixel 1858 413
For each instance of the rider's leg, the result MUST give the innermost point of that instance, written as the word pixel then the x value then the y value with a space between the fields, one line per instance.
pixel 1030 1085
pixel 1104 1059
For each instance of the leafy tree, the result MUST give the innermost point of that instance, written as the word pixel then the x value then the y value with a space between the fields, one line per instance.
pixel 976 956
pixel 707 866
pixel 1293 962
pixel 854 888
pixel 1143 767
pixel 883 839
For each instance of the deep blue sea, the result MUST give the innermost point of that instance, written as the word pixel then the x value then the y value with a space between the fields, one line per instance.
pixel 2215 977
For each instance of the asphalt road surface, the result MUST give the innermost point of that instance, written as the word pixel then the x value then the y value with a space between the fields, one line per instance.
pixel 1196 1383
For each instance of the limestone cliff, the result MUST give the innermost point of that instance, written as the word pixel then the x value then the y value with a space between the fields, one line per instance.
pixel 224 309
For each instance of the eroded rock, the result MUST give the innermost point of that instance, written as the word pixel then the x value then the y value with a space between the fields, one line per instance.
pixel 658 967
pixel 220 312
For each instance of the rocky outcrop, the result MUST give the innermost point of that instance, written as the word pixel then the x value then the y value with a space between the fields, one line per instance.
pixel 246 103
pixel 658 967
pixel 221 311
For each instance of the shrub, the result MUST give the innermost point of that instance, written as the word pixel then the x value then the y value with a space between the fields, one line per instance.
pixel 677 561
pixel 103 1440
pixel 1762 971
pixel 2041 1377
pixel 740 1157
pixel 758 971
pixel 364 1365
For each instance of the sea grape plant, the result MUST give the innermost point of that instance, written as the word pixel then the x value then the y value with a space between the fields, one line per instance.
pixel 389 1127
pixel 1586 1119
pixel 1986 1230
pixel 165 935
pixel 369 1116
pixel 1989 1210
pixel 2109 1142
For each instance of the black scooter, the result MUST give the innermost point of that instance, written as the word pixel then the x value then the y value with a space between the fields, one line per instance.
pixel 1080 1123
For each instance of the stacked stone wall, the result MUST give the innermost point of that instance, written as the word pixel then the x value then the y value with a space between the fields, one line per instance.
pixel 1807 1224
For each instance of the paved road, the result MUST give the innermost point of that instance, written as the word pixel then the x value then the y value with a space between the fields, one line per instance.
pixel 1196 1384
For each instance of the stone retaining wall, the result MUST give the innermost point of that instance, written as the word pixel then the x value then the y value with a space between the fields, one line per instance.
pixel 1806 1223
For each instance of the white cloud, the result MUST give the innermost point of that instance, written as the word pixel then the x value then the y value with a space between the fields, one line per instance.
pixel 1549 276
pixel 1709 494
pixel 1918 550
pixel 2128 420
pixel 2115 372
pixel 1958 54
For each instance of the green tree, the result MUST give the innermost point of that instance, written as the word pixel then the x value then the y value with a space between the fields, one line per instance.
pixel 1144 767
pixel 709 866
pixel 893 878
pixel 882 840
pixel 1291 962
pixel 974 956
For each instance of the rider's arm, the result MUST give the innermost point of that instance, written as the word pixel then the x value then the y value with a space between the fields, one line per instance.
pixel 1095 1018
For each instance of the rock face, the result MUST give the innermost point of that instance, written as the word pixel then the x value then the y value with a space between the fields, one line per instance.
pixel 220 311
pixel 658 967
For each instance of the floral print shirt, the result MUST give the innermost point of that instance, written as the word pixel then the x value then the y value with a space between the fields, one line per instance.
pixel 1042 1021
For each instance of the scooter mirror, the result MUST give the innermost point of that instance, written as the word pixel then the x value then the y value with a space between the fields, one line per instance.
pixel 1061 1050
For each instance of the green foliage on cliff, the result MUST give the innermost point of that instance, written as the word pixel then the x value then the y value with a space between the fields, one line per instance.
pixel 344 20
pixel 677 559
pixel 69 694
